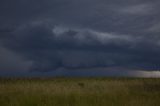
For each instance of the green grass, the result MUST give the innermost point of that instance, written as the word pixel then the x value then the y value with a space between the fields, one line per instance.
pixel 80 92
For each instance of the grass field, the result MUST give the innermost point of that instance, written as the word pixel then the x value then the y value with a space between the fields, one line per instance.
pixel 80 92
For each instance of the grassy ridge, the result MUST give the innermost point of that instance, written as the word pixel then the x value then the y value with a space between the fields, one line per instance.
pixel 80 92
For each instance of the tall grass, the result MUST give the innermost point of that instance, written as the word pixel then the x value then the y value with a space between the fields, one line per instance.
pixel 80 92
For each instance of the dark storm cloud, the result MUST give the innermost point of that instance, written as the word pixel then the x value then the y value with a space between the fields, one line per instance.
pixel 71 34
pixel 11 61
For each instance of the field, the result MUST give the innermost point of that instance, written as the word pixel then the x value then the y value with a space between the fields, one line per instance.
pixel 79 92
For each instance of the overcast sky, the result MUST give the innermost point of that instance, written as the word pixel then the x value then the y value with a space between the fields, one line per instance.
pixel 71 37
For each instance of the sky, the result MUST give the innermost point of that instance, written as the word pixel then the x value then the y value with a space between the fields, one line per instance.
pixel 80 38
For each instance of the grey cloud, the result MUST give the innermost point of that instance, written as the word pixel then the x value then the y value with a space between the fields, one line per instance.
pixel 51 48
pixel 140 9
pixel 154 28
pixel 73 34
pixel 10 61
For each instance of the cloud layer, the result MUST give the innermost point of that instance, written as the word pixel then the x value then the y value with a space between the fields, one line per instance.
pixel 71 34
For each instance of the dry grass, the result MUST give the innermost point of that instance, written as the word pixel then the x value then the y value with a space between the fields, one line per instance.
pixel 80 92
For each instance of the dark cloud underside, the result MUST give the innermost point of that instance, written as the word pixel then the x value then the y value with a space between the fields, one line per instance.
pixel 79 34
